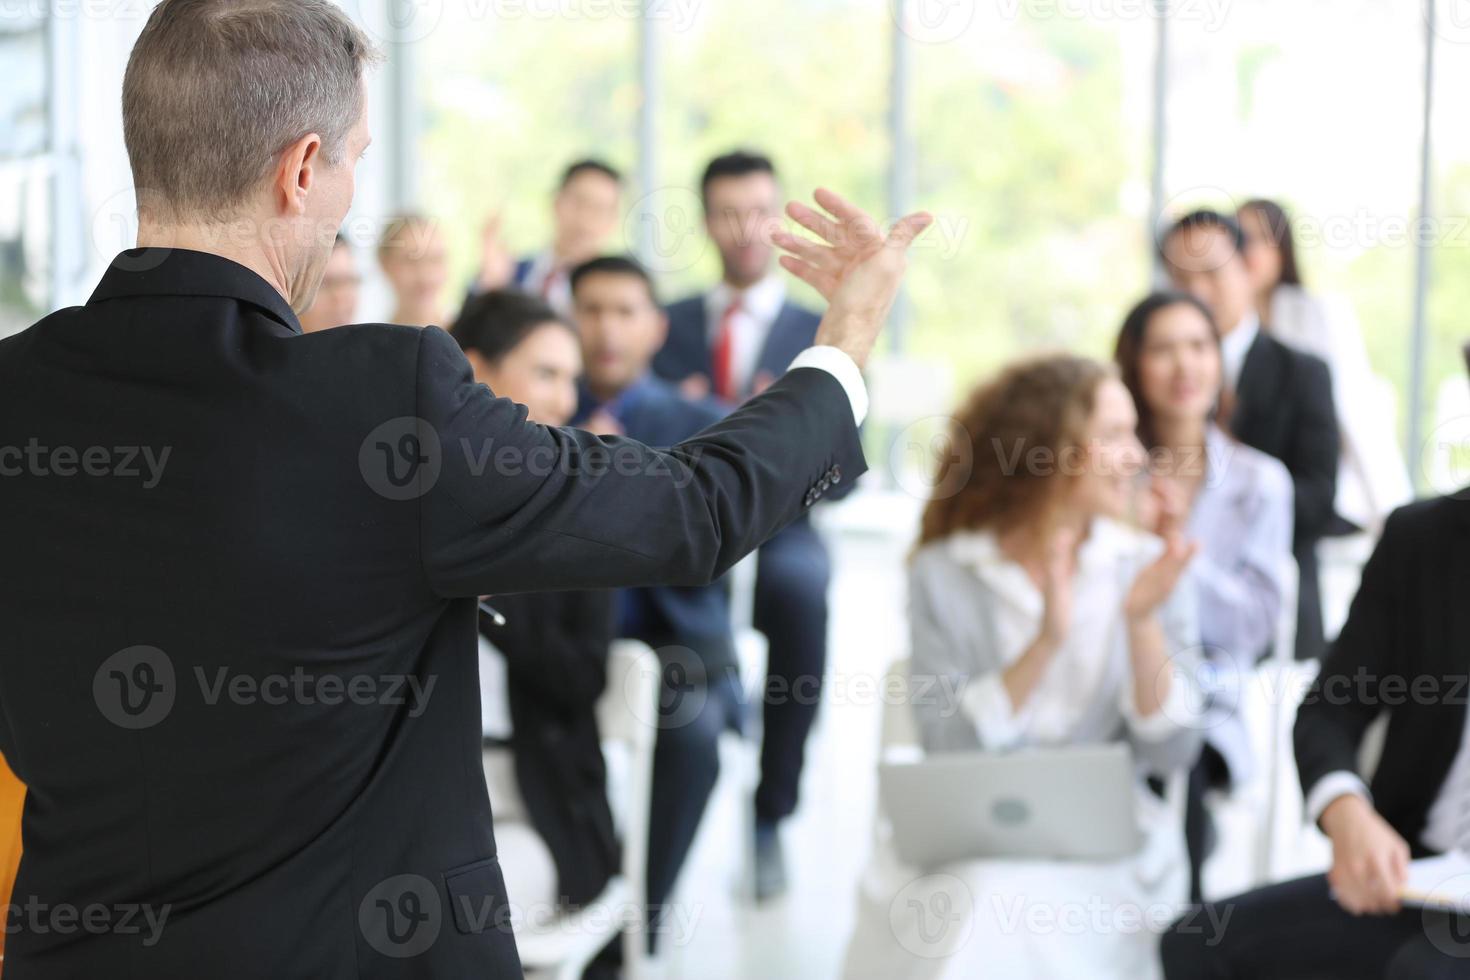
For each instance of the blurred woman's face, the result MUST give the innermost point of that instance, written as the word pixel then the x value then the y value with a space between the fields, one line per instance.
pixel 1112 455
pixel 1262 253
pixel 1179 364
pixel 540 373
pixel 417 267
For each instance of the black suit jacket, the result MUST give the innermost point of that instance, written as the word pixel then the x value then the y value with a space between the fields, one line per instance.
pixel 1404 649
pixel 1283 407
pixel 555 646
pixel 208 678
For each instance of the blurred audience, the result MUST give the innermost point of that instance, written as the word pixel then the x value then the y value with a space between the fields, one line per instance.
pixel 1401 653
pixel 1058 625
pixel 412 255
pixel 336 298
pixel 542 669
pixel 1371 479
pixel 584 215
pixel 1238 502
pixel 621 326
pixel 732 341
pixel 1275 398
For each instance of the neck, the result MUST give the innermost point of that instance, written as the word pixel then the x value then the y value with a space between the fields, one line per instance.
pixel 605 392
pixel 221 240
pixel 1183 432
pixel 413 315
pixel 1029 543
pixel 1263 306
pixel 741 283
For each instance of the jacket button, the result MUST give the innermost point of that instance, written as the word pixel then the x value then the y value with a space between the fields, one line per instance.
pixel 826 484
pixel 836 474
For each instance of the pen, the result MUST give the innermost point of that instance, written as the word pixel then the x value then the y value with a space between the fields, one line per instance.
pixel 490 611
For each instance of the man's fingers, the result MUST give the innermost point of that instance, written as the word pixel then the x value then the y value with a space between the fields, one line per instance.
pixel 909 227
pixel 858 230
pixel 822 282
pixel 823 226
pixel 808 251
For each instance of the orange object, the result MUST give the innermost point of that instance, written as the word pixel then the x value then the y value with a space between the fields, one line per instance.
pixel 12 800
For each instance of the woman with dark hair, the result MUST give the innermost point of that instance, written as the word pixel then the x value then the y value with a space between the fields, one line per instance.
pixel 1049 622
pixel 1238 503
pixel 543 668
pixel 1372 479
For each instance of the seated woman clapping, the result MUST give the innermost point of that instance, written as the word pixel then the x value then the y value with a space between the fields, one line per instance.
pixel 1055 624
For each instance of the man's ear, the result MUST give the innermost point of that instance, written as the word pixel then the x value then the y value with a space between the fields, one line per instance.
pixel 296 173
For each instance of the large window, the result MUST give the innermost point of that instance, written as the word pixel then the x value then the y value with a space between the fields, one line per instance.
pixel 25 169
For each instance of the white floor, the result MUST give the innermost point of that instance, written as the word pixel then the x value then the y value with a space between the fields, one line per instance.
pixel 803 935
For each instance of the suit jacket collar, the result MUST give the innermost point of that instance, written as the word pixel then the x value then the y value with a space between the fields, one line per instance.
pixel 184 272
pixel 1260 378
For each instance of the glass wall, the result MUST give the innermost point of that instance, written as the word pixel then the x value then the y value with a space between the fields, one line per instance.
pixel 26 216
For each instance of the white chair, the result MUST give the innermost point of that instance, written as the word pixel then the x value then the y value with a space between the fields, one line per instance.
pixel 627 717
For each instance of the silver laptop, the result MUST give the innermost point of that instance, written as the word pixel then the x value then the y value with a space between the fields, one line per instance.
pixel 1074 803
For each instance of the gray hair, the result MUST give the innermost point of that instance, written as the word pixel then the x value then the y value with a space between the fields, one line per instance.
pixel 216 89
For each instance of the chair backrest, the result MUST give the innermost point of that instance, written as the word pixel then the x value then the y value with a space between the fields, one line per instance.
pixel 1290 579
pixel 627 718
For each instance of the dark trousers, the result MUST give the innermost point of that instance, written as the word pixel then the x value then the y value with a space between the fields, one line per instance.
pixel 686 764
pixel 790 608
pixel 1208 773
pixel 1295 931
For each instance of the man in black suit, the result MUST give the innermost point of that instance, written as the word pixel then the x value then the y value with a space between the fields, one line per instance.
pixel 730 342
pixel 1403 652
pixel 241 563
pixel 1277 399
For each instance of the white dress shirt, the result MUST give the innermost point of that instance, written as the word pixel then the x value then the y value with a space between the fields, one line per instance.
pixel 550 281
pixel 1235 345
pixel 760 304
pixel 1446 825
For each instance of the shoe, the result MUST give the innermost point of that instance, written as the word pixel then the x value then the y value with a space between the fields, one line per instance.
pixel 770 863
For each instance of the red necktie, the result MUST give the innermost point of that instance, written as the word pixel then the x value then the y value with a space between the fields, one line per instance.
pixel 724 353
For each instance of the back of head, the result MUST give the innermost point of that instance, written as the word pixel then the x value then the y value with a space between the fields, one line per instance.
pixel 215 89
pixel 992 477
pixel 493 323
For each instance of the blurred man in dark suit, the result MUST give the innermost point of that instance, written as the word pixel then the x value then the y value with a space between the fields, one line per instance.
pixel 730 342
pixel 1276 399
pixel 242 563
pixel 622 327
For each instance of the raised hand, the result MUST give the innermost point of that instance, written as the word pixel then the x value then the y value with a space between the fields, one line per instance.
pixel 855 267
pixel 1154 583
pixel 496 265
pixel 1056 587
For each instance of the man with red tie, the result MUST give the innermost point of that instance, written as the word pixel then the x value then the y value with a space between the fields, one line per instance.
pixel 731 342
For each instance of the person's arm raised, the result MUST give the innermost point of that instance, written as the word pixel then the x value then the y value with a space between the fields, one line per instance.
pixel 512 506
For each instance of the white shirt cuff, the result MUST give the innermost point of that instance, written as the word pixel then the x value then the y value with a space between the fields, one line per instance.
pixel 988 704
pixel 1329 788
pixel 836 363
pixel 1178 712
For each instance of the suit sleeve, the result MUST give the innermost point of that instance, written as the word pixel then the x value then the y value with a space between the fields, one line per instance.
pixel 512 506
pixel 1318 446
pixel 1345 697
